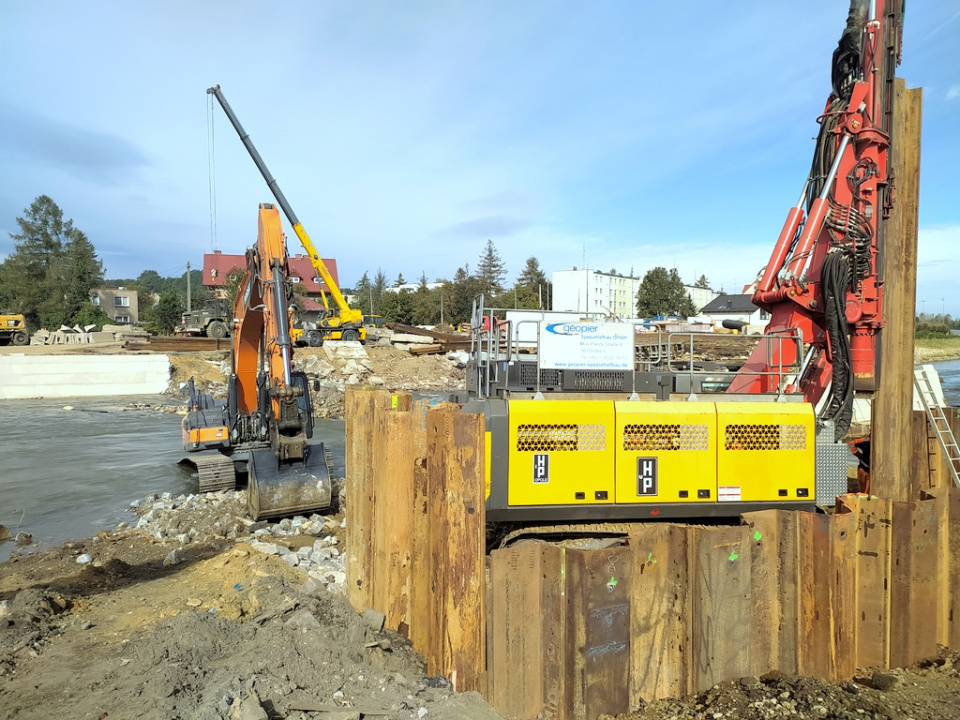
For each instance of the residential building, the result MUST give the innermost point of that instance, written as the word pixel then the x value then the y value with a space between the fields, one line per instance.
pixel 217 267
pixel 593 291
pixel 610 294
pixel 701 296
pixel 119 303
pixel 737 308
pixel 413 287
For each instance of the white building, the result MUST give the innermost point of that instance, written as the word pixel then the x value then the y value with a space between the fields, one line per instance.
pixel 701 296
pixel 412 287
pixel 593 291
pixel 609 294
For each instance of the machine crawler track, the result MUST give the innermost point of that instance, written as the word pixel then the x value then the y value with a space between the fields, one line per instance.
pixel 216 472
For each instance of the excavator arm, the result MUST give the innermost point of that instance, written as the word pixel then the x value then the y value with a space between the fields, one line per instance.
pixel 823 284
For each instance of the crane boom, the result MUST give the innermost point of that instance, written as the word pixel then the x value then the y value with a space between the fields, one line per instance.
pixel 347 317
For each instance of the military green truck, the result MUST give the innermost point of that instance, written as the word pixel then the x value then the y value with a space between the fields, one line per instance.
pixel 13 329
pixel 214 319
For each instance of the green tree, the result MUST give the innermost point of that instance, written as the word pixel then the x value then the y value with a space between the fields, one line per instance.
pixel 83 272
pixel 464 288
pixel 396 307
pixel 92 315
pixel 52 270
pixel 379 285
pixel 491 271
pixel 166 313
pixel 363 291
pixel 399 281
pixel 151 281
pixel 662 293
pixel 702 282
pixel 533 290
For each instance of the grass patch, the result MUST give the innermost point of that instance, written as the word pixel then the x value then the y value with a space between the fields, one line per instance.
pixel 936 349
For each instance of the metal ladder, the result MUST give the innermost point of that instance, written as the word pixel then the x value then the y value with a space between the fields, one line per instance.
pixel 938 421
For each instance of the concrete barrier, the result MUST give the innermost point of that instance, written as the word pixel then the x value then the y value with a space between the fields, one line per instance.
pixel 36 376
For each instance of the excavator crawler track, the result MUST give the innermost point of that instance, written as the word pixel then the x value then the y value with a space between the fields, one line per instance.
pixel 215 472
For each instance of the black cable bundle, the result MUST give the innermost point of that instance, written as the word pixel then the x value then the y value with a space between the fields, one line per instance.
pixel 835 281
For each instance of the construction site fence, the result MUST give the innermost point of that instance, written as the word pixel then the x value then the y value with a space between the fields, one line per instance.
pixel 548 631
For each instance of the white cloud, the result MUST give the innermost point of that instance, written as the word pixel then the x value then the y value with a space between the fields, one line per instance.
pixel 953 93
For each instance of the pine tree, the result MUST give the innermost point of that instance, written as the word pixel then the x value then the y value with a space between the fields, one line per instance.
pixel 532 276
pixel 491 271
pixel 52 270
pixel 83 274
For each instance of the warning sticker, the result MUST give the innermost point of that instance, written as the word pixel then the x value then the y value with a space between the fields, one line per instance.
pixel 728 493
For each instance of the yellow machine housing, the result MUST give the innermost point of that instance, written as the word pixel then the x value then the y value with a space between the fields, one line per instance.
pixel 570 460
pixel 666 452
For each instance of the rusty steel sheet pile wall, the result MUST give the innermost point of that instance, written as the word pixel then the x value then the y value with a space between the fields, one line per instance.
pixel 873 585
pixel 559 632
pixel 415 526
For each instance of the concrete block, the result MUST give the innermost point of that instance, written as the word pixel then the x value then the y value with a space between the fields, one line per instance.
pixel 33 376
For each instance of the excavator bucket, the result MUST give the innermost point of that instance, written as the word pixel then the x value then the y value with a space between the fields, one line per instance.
pixel 278 489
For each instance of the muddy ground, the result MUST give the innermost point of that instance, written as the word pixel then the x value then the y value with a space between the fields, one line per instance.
pixel 202 614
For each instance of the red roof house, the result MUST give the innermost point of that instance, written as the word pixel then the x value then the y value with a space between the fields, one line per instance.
pixel 217 266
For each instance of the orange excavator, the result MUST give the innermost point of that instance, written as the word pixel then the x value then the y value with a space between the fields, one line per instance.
pixel 265 427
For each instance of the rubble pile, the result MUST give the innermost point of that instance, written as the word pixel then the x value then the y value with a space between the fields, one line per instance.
pixel 335 366
pixel 309 544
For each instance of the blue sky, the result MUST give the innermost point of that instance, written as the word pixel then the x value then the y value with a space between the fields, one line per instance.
pixel 607 134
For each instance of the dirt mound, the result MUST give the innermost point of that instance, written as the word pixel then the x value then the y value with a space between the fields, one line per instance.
pixel 928 691
pixel 208 369
pixel 224 631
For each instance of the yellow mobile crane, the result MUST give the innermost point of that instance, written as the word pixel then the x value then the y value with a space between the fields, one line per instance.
pixel 346 323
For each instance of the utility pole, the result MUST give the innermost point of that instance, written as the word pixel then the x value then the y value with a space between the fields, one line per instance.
pixel 441 305
pixel 188 287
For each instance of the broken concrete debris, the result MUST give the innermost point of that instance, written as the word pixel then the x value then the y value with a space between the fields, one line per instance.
pixel 309 544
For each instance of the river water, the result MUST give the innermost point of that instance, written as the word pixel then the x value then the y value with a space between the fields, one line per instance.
pixel 65 474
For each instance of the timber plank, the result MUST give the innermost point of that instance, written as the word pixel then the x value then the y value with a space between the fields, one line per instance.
pixel 395 518
pixel 420 619
pixel 773 543
pixel 660 604
pixel 815 651
pixel 843 579
pixel 924 446
pixel 358 411
pixel 947 507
